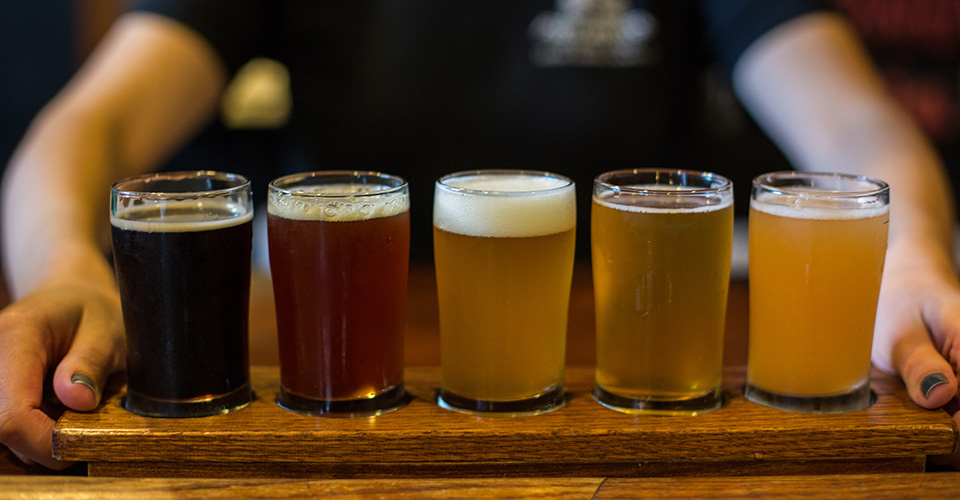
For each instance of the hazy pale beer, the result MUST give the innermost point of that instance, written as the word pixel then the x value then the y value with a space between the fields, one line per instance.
pixel 817 245
pixel 661 243
pixel 503 245
pixel 339 255
pixel 181 248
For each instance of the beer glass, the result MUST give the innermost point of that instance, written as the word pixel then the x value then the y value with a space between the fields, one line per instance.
pixel 661 242
pixel 181 248
pixel 339 255
pixel 817 244
pixel 503 246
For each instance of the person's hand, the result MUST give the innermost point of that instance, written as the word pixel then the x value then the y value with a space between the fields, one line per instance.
pixel 918 331
pixel 75 331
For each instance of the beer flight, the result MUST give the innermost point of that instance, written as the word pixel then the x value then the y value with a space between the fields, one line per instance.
pixel 504 253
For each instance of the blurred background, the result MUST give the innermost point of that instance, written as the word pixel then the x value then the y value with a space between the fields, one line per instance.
pixel 915 43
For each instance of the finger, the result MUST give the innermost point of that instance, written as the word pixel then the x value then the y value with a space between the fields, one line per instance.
pixel 943 319
pixel 930 380
pixel 23 458
pixel 917 322
pixel 926 357
pixel 29 434
pixel 24 428
pixel 96 353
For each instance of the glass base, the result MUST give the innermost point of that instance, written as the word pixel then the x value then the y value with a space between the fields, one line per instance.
pixel 146 406
pixel 552 399
pixel 706 403
pixel 385 402
pixel 858 399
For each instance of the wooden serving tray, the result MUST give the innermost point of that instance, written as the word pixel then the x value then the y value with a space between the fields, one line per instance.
pixel 583 439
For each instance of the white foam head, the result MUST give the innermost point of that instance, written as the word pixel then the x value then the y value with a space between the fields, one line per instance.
pixel 504 205
pixel 660 199
pixel 819 209
pixel 343 202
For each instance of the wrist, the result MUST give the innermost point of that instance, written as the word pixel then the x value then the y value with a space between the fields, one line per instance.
pixel 72 264
pixel 919 253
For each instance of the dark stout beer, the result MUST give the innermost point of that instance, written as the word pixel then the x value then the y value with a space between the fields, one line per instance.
pixel 184 284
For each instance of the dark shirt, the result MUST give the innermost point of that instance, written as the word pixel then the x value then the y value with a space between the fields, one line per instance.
pixel 36 43
pixel 421 88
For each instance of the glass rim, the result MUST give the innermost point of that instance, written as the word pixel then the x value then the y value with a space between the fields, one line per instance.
pixel 275 187
pixel 762 182
pixel 117 190
pixel 440 183
pixel 724 184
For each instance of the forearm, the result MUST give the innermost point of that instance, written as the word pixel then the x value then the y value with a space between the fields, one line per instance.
pixel 810 86
pixel 150 86
pixel 54 209
pixel 887 146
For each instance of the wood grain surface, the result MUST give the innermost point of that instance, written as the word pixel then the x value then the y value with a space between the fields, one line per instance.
pixel 894 434
pixel 929 486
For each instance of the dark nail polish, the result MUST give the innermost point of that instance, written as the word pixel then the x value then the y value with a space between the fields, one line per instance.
pixel 931 381
pixel 79 378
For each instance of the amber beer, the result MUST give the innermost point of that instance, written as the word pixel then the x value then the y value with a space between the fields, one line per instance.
pixel 503 245
pixel 181 248
pixel 339 254
pixel 817 245
pixel 661 243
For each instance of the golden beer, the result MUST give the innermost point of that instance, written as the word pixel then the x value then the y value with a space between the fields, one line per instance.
pixel 503 245
pixel 815 270
pixel 661 269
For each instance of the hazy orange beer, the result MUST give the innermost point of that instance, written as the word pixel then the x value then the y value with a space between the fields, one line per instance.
pixel 339 254
pixel 661 243
pixel 817 245
pixel 503 245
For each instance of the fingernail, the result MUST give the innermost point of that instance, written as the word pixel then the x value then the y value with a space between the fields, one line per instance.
pixel 79 378
pixel 23 458
pixel 931 381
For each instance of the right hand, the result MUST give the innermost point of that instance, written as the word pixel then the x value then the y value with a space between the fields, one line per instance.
pixel 917 331
pixel 69 330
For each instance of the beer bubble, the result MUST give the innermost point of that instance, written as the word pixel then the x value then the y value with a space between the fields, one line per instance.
pixel 325 204
pixel 663 203
pixel 179 216
pixel 816 208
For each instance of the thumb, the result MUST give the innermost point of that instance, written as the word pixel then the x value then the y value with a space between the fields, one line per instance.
pixel 917 329
pixel 929 378
pixel 928 373
pixel 96 353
